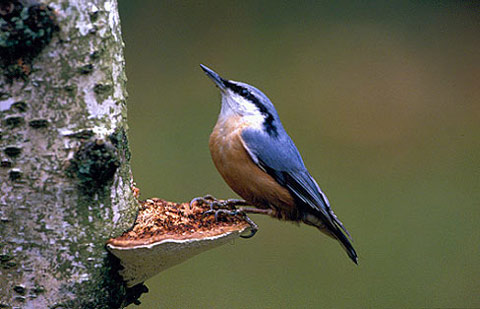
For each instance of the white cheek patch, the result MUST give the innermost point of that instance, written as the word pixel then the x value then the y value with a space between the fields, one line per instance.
pixel 255 121
pixel 234 104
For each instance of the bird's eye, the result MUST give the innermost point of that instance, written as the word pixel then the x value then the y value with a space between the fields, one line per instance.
pixel 244 92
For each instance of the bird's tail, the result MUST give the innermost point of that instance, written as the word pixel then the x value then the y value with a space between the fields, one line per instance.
pixel 347 245
pixel 335 230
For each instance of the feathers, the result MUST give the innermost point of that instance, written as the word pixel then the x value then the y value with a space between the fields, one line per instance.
pixel 280 158
pixel 260 162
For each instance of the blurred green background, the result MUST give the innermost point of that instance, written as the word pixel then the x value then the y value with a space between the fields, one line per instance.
pixel 383 101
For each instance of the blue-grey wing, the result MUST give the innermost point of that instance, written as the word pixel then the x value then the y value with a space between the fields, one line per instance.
pixel 279 157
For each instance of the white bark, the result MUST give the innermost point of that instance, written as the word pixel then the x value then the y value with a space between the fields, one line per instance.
pixel 62 137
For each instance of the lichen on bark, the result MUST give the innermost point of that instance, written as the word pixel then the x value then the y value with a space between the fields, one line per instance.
pixel 52 230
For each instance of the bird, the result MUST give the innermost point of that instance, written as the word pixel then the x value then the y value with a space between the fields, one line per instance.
pixel 259 161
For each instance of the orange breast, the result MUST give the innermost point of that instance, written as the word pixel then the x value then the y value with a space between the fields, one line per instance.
pixel 242 174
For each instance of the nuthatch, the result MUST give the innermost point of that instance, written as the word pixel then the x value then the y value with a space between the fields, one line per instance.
pixel 259 161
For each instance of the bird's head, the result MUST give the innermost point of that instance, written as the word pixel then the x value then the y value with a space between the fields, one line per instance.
pixel 240 99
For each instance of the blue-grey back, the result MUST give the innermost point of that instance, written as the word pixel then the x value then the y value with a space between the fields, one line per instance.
pixel 279 157
pixel 279 153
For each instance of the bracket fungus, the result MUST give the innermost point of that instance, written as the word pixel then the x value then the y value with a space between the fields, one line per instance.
pixel 166 234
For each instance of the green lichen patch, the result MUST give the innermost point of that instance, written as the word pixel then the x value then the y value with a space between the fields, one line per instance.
pixel 6 261
pixel 119 139
pixel 6 163
pixel 9 265
pixel 20 289
pixel 72 89
pixel 25 29
pixel 102 91
pixel 4 96
pixel 20 299
pixel 83 134
pixel 14 121
pixel 38 123
pixel 85 69
pixel 38 289
pixel 94 16
pixel 17 70
pixel 96 55
pixel 12 151
pixel 94 165
pixel 14 174
pixel 102 88
pixel 5 257
pixel 20 106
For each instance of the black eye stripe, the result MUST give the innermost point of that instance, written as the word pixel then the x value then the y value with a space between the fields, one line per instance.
pixel 268 122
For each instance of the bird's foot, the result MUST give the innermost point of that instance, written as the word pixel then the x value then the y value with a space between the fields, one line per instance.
pixel 213 203
pixel 227 207
pixel 207 199
pixel 235 212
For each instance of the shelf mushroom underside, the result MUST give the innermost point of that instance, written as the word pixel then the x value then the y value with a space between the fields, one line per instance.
pixel 143 257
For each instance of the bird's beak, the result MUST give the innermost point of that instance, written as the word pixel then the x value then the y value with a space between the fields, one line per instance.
pixel 214 76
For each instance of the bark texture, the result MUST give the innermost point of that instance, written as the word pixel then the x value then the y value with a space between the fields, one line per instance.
pixel 65 180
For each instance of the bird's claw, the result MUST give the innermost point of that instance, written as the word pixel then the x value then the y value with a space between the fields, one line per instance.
pixel 213 203
pixel 208 199
pixel 253 227
pixel 235 212
pixel 226 207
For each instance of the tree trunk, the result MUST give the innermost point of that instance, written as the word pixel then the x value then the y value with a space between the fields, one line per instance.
pixel 65 179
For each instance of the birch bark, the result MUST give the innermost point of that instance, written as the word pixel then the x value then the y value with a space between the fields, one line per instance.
pixel 65 179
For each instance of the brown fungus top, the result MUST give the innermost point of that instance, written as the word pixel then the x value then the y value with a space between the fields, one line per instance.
pixel 160 220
